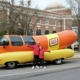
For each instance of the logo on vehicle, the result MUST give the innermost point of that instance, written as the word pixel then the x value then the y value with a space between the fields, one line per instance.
pixel 53 41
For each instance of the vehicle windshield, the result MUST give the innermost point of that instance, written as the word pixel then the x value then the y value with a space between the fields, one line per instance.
pixel 2 38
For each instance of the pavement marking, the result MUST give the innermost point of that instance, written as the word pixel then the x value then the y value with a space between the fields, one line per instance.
pixel 55 69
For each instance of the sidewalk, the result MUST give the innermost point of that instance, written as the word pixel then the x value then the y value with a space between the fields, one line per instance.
pixel 76 55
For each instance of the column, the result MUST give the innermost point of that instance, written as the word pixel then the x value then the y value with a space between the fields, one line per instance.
pixel 64 24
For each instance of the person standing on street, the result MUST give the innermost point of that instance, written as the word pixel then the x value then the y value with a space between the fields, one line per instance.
pixel 41 57
pixel 36 54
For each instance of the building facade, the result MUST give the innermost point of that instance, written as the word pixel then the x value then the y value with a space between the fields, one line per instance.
pixel 55 17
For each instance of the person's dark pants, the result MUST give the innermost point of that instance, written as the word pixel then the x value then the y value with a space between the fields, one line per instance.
pixel 42 62
pixel 36 59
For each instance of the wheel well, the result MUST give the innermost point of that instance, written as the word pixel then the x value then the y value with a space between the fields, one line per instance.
pixel 59 58
pixel 11 61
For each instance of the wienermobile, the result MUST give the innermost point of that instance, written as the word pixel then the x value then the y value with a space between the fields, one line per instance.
pixel 14 51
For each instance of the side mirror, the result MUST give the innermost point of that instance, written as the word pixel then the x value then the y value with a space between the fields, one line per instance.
pixel 4 43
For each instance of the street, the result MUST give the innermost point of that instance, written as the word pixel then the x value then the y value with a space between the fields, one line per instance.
pixel 69 70
pixel 72 74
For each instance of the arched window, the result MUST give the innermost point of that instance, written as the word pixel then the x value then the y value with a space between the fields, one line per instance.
pixel 30 31
pixel 53 31
pixel 38 32
pixel 46 31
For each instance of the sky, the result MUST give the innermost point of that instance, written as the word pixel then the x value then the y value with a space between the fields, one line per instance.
pixel 43 3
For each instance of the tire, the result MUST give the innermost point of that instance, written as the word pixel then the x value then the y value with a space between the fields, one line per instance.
pixel 11 65
pixel 58 61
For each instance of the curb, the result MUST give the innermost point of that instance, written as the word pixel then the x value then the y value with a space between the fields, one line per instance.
pixel 73 58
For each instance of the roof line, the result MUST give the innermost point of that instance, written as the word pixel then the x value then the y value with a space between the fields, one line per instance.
pixel 58 9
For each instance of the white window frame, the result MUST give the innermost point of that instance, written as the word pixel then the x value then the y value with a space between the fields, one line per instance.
pixel 54 22
pixel 39 21
pixel 28 19
pixel 59 23
pixel 47 21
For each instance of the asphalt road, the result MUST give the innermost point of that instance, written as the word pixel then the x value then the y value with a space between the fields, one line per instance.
pixel 69 70
pixel 71 74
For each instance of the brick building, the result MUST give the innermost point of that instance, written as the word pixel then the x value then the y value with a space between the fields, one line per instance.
pixel 56 17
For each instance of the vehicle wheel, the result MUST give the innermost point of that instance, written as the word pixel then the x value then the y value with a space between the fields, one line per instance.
pixel 11 65
pixel 58 61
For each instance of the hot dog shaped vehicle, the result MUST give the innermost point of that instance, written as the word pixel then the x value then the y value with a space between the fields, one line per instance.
pixel 13 48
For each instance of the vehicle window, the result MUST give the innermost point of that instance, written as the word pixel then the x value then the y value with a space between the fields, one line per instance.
pixel 28 40
pixel 2 38
pixel 16 41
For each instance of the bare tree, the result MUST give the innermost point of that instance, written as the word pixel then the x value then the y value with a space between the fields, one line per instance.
pixel 22 14
pixel 3 20
pixel 26 14
pixel 9 14
pixel 74 4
